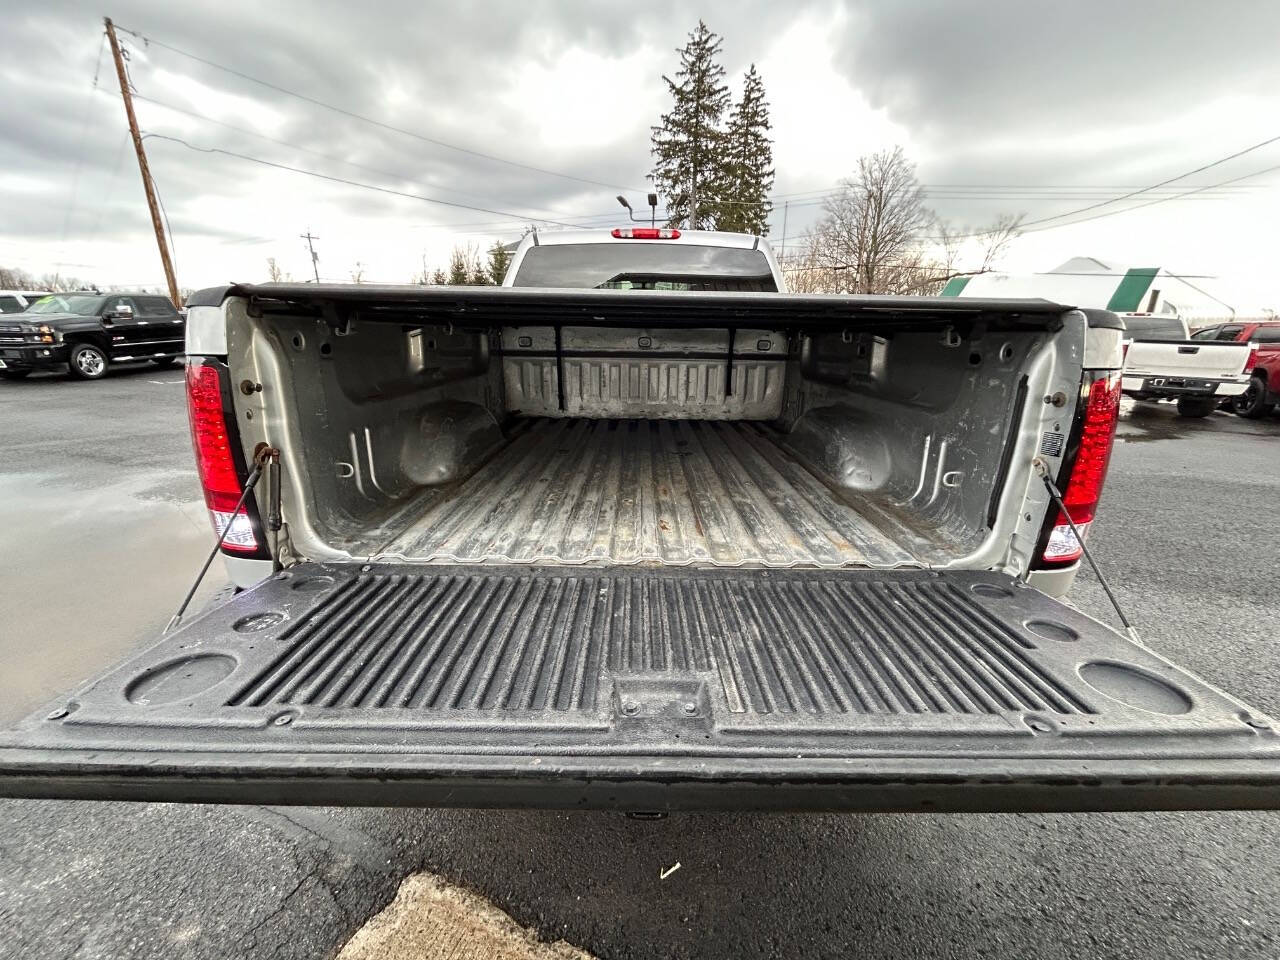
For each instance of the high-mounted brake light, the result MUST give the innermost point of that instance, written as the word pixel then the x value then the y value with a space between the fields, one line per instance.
pixel 1089 471
pixel 215 458
pixel 645 233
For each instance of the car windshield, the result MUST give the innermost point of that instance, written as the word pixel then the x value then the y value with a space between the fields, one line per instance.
pixel 84 305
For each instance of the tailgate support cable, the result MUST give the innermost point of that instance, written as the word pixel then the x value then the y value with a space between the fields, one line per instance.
pixel 264 455
pixel 1042 469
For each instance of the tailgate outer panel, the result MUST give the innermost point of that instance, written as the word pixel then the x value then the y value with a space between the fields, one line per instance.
pixel 419 685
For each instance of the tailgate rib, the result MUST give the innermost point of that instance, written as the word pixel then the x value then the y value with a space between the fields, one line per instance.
pixel 488 685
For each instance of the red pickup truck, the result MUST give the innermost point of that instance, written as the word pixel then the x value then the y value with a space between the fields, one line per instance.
pixel 1264 386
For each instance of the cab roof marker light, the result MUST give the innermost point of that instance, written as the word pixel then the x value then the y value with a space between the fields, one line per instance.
pixel 644 233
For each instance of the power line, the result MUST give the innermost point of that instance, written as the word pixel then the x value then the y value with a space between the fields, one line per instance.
pixel 1154 186
pixel 1110 213
pixel 1149 203
pixel 354 183
pixel 387 173
pixel 370 120
pixel 296 146
pixel 991 192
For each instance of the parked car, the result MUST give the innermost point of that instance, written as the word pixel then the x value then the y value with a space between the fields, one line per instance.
pixel 639 530
pixel 86 333
pixel 1163 362
pixel 15 301
pixel 1263 391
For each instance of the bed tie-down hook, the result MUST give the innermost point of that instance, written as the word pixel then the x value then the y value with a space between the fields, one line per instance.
pixel 1042 471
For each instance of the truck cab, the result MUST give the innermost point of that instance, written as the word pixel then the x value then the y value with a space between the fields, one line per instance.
pixel 1259 398
pixel 87 333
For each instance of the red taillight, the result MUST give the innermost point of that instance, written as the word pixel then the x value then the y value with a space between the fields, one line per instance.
pixel 1253 359
pixel 1089 471
pixel 215 458
pixel 645 233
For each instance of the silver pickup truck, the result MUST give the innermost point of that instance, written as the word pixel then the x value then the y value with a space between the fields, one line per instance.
pixel 641 530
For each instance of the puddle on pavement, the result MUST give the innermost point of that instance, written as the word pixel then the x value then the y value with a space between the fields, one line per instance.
pixel 61 498
pixel 1145 423
pixel 101 570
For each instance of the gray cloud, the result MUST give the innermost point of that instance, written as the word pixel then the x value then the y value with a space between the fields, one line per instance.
pixel 962 80
pixel 1035 69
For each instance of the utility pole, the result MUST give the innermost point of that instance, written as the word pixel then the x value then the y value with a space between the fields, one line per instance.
pixel 127 96
pixel 315 264
pixel 783 254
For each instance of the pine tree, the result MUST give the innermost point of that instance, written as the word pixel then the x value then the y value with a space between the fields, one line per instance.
pixel 499 260
pixel 688 142
pixel 748 163
pixel 459 267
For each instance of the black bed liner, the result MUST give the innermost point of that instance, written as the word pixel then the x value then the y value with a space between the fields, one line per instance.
pixel 648 688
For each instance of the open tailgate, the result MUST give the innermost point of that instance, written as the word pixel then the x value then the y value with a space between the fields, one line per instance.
pixel 648 689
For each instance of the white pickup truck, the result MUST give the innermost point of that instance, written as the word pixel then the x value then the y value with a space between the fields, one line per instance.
pixel 640 530
pixel 1162 362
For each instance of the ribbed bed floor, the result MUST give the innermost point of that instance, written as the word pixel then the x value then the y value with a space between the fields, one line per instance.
pixel 637 491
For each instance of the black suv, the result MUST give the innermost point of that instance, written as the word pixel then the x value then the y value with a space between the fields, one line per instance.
pixel 88 332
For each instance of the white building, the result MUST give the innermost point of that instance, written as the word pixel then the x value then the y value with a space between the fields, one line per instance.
pixel 1090 282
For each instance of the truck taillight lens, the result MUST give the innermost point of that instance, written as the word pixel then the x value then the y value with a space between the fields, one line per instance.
pixel 1253 359
pixel 644 233
pixel 1088 471
pixel 216 457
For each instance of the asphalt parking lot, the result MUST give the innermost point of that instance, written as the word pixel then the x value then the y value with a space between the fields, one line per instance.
pixel 101 529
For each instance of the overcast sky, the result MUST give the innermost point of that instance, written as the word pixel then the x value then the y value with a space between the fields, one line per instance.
pixel 1006 107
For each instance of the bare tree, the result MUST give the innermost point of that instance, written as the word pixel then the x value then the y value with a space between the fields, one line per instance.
pixel 988 245
pixel 357 273
pixel 807 271
pixel 61 284
pixel 274 273
pixel 875 222
pixel 466 267
pixel 996 238
pixel 15 278
pixel 877 236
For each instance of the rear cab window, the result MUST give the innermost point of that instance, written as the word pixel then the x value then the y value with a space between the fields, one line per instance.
pixel 1155 328
pixel 655 265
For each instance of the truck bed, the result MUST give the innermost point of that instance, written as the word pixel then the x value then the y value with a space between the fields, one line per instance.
pixel 650 688
pixel 624 492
